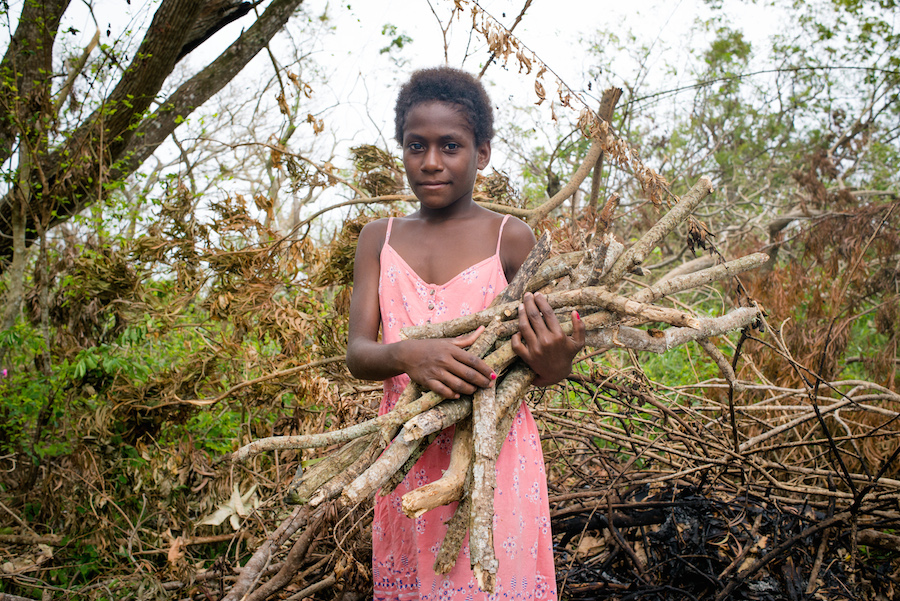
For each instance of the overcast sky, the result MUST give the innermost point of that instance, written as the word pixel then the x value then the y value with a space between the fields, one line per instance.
pixel 356 99
pixel 557 31
pixel 361 79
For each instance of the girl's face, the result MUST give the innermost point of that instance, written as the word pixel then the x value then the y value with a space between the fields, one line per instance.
pixel 440 155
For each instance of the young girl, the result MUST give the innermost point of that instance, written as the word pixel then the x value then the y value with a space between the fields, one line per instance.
pixel 450 258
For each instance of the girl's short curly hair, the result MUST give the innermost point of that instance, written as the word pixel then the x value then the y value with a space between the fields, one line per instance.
pixel 446 84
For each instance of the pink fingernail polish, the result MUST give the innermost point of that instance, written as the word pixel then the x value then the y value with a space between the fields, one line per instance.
pixel 577 315
pixel 493 376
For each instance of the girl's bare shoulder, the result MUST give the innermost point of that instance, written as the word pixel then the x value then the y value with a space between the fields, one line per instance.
pixel 371 237
pixel 517 241
pixel 517 231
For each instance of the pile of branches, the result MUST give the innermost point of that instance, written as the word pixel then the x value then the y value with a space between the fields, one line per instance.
pixel 683 541
pixel 378 453
pixel 649 499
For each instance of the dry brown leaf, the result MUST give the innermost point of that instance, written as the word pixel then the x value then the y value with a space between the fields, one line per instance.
pixel 589 546
pixel 176 550
pixel 539 90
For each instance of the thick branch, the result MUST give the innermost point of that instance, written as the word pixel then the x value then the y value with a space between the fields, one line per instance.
pixel 380 471
pixel 638 253
pixel 484 480
pixel 584 297
pixel 333 488
pixel 516 288
pixel 203 86
pixel 443 416
pixel 144 77
pixel 607 105
pixel 640 340
pixel 450 486
pixel 569 189
pixel 324 471
pixel 143 80
pixel 24 69
pixel 667 286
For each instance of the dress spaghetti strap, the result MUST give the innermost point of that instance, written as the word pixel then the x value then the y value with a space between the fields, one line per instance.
pixel 499 234
pixel 387 234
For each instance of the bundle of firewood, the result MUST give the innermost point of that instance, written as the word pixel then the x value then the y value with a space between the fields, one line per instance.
pixel 376 455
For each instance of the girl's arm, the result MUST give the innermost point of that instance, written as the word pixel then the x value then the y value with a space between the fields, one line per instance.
pixel 440 365
pixel 540 341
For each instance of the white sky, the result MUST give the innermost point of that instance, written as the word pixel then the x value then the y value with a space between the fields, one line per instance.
pixel 557 31
pixel 356 102
pixel 361 80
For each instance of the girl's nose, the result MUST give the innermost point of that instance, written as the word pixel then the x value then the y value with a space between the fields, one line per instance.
pixel 432 160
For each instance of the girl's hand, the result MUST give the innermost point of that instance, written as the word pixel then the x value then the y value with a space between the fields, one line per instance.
pixel 541 342
pixel 442 366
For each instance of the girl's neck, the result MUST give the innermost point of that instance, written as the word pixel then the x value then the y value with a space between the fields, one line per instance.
pixel 464 208
pixel 440 244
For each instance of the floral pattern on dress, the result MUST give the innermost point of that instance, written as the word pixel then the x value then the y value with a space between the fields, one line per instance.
pixel 440 309
pixel 404 550
pixel 392 272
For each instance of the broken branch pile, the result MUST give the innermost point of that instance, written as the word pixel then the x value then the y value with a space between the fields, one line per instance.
pixel 378 453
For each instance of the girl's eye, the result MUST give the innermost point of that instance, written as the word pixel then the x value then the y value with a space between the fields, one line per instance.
pixel 415 146
pixel 452 146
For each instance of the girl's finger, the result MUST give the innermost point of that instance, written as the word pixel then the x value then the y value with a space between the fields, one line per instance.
pixel 578 330
pixel 526 333
pixel 441 389
pixel 464 340
pixel 531 322
pixel 457 385
pixel 473 371
pixel 519 348
pixel 547 314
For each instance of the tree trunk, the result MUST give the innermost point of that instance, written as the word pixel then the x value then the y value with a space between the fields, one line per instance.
pixel 115 140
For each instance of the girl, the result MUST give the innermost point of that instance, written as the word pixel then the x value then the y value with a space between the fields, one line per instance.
pixel 450 258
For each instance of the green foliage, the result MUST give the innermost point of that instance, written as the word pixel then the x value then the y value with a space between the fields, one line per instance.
pixel 156 340
pixel 398 41
pixel 681 366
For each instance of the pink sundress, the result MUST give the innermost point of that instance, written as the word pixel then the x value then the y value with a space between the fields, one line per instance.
pixel 404 549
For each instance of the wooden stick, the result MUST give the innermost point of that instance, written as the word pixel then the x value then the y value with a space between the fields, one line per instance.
pixel 607 104
pixel 298 493
pixel 641 340
pixel 391 460
pixel 554 268
pixel 443 416
pixel 377 474
pixel 536 257
pixel 569 189
pixel 457 527
pixel 449 487
pixel 397 477
pixel 668 286
pixel 595 296
pixel 336 485
pixel 638 253
pixel 484 481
